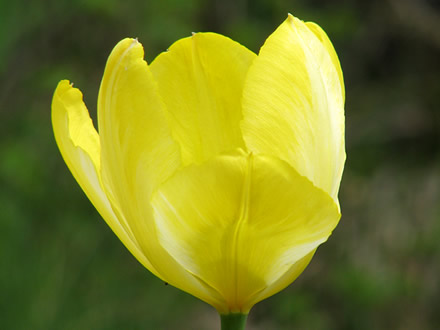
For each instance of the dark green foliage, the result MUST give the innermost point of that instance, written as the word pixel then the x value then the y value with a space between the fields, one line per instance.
pixel 61 267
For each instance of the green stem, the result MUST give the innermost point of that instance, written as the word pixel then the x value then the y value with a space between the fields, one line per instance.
pixel 234 321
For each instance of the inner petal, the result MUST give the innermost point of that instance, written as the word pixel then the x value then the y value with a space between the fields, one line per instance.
pixel 201 80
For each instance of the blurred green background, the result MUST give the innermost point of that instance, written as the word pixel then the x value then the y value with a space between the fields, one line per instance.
pixel 61 267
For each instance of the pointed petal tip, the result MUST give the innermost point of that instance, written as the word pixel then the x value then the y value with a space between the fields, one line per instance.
pixel 292 19
pixel 126 47
pixel 63 86
pixel 65 92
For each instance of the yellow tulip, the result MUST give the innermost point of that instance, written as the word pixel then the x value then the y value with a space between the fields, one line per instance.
pixel 217 168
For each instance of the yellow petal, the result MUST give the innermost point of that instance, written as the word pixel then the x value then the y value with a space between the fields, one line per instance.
pixel 201 80
pixel 322 36
pixel 287 278
pixel 79 144
pixel 241 222
pixel 293 105
pixel 134 134
pixel 138 153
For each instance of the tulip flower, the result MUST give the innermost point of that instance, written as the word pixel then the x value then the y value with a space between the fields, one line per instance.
pixel 218 169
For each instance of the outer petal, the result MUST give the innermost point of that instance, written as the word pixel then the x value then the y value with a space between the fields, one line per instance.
pixel 135 136
pixel 293 104
pixel 241 222
pixel 79 144
pixel 288 277
pixel 322 36
pixel 138 153
pixel 201 80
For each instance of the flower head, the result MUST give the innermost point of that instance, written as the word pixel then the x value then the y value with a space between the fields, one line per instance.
pixel 218 168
